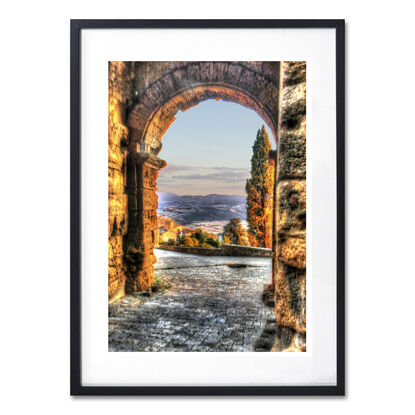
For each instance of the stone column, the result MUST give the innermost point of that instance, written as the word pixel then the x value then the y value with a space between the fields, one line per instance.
pixel 142 171
pixel 290 255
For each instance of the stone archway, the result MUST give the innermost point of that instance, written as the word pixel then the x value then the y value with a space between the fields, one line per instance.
pixel 143 100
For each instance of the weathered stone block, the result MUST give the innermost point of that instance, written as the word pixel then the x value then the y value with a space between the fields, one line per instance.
pixel 138 117
pixel 269 94
pixel 115 182
pixel 248 79
pixel 150 199
pixel 149 178
pixel 115 157
pixel 116 205
pixel 118 133
pixel 116 277
pixel 291 250
pixel 117 225
pixel 290 297
pixel 271 70
pixel 292 207
pixel 193 71
pixel 292 154
pixel 206 71
pixel 234 72
pixel 288 340
pixel 115 246
pixel 179 77
pixel 293 115
pixel 219 71
pixel 294 72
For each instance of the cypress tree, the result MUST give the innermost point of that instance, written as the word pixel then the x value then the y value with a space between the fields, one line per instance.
pixel 259 188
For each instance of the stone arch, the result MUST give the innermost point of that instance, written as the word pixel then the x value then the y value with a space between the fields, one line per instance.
pixel 162 118
pixel 181 87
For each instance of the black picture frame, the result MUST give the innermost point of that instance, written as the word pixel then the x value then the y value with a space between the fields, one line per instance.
pixel 76 387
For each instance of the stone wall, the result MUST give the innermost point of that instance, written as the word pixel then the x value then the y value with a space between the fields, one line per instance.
pixel 118 94
pixel 290 262
pixel 239 250
pixel 197 250
pixel 226 250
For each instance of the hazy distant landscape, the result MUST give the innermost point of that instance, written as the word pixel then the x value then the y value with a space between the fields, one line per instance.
pixel 210 212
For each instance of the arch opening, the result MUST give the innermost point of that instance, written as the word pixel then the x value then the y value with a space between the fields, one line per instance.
pixel 161 119
pixel 210 148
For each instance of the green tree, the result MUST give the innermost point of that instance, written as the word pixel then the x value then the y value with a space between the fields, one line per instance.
pixel 259 190
pixel 188 241
pixel 235 233
pixel 200 235
pixel 212 242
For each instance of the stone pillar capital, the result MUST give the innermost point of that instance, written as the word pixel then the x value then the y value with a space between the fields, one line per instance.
pixel 150 160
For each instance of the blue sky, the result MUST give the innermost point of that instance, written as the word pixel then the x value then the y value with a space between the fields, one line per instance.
pixel 208 149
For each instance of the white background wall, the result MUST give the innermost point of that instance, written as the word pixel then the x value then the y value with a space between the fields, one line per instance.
pixel 34 102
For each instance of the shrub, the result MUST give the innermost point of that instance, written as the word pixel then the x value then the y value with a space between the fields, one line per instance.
pixel 188 241
pixel 212 242
pixel 200 235
pixel 194 242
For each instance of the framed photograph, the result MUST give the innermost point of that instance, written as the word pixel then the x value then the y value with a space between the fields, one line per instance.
pixel 207 207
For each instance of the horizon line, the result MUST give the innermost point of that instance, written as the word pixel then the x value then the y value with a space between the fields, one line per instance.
pixel 206 194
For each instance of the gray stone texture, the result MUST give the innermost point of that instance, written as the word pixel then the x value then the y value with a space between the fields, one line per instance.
pixel 212 306
pixel 290 268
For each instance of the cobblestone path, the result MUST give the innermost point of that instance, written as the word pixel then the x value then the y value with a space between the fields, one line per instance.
pixel 214 305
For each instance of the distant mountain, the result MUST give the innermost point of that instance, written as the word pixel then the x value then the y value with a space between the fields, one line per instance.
pixel 189 209
pixel 167 196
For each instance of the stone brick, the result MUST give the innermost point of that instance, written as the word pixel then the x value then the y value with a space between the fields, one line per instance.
pixel 292 207
pixel 293 114
pixel 206 71
pixel 291 250
pixel 292 154
pixel 288 340
pixel 290 301
pixel 179 78
pixel 150 199
pixel 118 133
pixel 149 178
pixel 234 72
pixel 294 72
pixel 219 71
pixel 115 182
pixel 138 117
pixel 115 157
pixel 116 205
pixel 248 80
pixel 193 71
pixel 116 277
